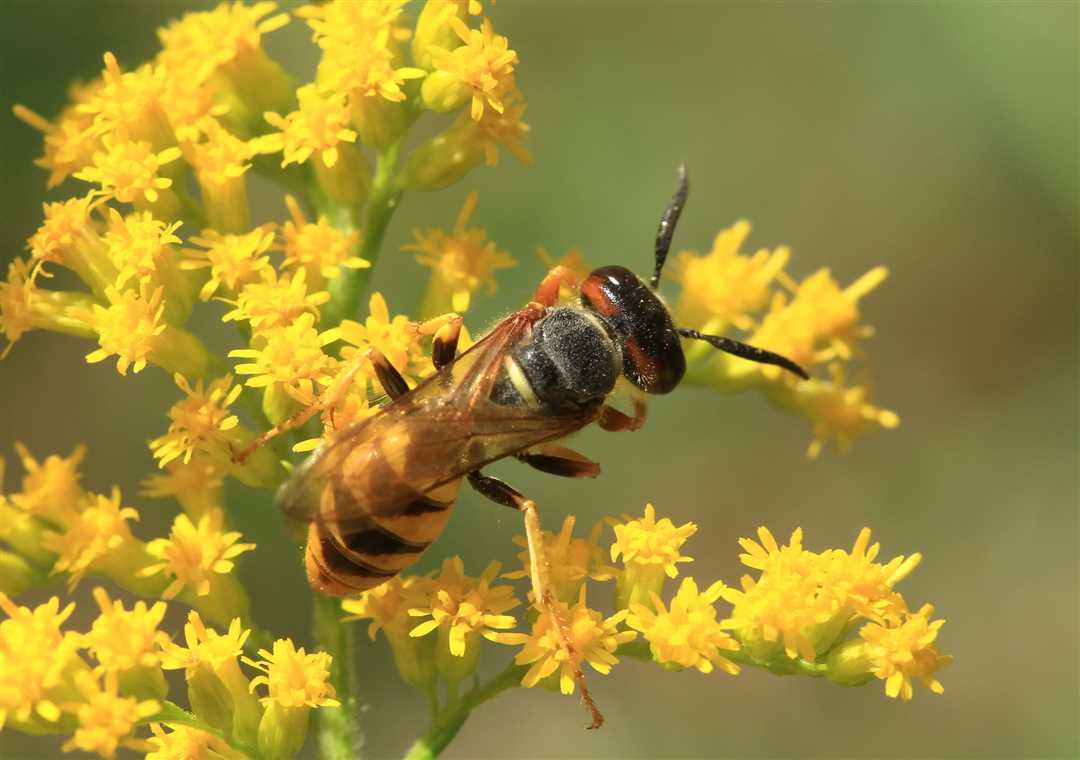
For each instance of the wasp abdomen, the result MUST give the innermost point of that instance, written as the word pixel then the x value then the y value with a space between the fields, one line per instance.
pixel 570 359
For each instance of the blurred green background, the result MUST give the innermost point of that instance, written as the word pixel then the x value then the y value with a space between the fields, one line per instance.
pixel 939 139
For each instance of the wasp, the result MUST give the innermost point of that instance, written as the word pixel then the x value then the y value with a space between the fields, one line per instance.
pixel 378 494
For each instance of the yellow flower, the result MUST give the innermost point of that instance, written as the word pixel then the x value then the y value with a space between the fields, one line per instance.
pixel 24 306
pixel 687 635
pixel 129 327
pixel 138 246
pixel 463 261
pixel 128 104
pixel 106 720
pixel 319 247
pixel 37 661
pixel 650 551
pixel 465 606
pixel 723 286
pixel 201 421
pixel 572 559
pixel 397 338
pixel 358 48
pixel 481 68
pixel 838 411
pixel 290 359
pixel 128 171
pixel 50 489
pixel 68 235
pixel 294 678
pixel 276 301
pixel 387 606
pixel 900 654
pixel 71 140
pixel 319 125
pixel 594 639
pixel 205 645
pixel 234 260
pixel 504 127
pixel 194 554
pixel 197 485
pixel 183 743
pixel 94 538
pixel 121 639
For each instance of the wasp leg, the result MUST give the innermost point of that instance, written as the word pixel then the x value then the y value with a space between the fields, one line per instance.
pixel 614 421
pixel 329 398
pixel 540 574
pixel 547 292
pixel 559 460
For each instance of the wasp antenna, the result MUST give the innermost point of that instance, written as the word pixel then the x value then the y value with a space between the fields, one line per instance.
pixel 745 351
pixel 668 222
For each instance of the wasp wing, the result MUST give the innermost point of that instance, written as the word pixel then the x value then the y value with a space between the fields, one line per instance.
pixel 441 430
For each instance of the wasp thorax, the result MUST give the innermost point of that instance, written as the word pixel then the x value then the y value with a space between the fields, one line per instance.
pixel 652 354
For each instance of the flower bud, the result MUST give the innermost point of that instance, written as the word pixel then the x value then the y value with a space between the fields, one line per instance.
pixel 444 92
pixel 849 664
pixel 378 121
pixel 282 731
pixel 433 30
pixel 209 697
pixel 444 159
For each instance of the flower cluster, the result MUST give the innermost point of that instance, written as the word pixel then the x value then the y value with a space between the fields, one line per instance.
pixel 102 685
pixel 795 617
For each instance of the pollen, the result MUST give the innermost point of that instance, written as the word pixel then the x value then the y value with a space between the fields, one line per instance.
pixel 464 260
pixel 97 533
pixel 35 659
pixel 199 422
pixel 906 652
pixel 648 541
pixel 128 327
pixel 319 247
pixel 290 359
pixel 106 720
pixel 594 639
pixel 129 171
pixel 234 260
pixel 483 64
pixel 121 639
pixel 464 605
pixel 320 123
pixel 293 677
pixel 724 285
pixel 686 634
pixel 193 554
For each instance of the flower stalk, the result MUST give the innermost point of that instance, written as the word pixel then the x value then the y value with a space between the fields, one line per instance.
pixel 339 735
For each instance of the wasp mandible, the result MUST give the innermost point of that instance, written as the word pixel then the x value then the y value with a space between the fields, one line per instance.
pixel 381 491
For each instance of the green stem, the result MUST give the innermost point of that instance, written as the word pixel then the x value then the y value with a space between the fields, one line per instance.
pixel 447 724
pixel 347 289
pixel 339 736
pixel 173 714
pixel 781 665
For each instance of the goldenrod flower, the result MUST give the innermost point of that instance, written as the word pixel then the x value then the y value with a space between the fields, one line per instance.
pixel 193 555
pixel 275 301
pixel 723 286
pixel 70 141
pixel 234 260
pixel 686 635
pixel 204 645
pixel 69 236
pixel 138 247
pixel 481 68
pixel 293 677
pixel 318 125
pixel 37 662
pixel 106 720
pixel 50 489
pixel 128 104
pixel 387 606
pixel 202 421
pixel 838 411
pixel 24 306
pixel 465 606
pixel 503 127
pixel 95 538
pixel 289 360
pixel 318 247
pixel 196 485
pixel 463 261
pixel 650 551
pixel 122 639
pixel 130 327
pixel 594 639
pixel 900 654
pixel 129 170
pixel 184 743
pixel 397 338
pixel 572 559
